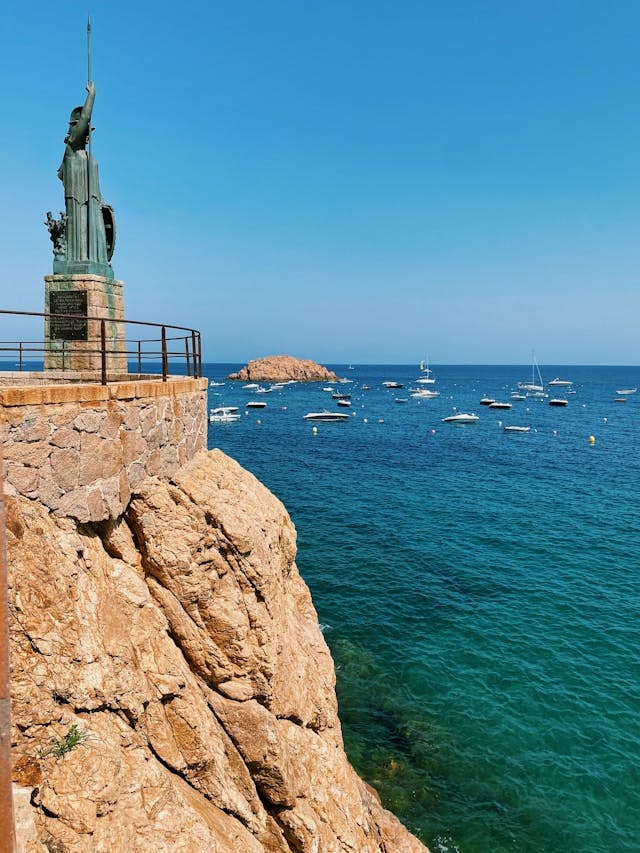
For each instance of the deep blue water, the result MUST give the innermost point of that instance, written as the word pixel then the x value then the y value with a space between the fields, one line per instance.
pixel 479 592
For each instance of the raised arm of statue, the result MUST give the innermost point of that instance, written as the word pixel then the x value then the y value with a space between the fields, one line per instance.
pixel 80 121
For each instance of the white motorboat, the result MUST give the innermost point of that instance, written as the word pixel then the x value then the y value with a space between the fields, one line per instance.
pixel 498 405
pixel 558 401
pixel 255 404
pixel 513 428
pixel 393 384
pixel 216 384
pixel 328 388
pixel 224 414
pixel 326 416
pixel 560 383
pixel 487 401
pixel 516 396
pixel 424 394
pixel 250 386
pixel 344 402
pixel 626 391
pixel 461 418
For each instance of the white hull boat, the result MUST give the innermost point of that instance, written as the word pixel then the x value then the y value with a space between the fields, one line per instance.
pixel 224 415
pixel 461 418
pixel 326 416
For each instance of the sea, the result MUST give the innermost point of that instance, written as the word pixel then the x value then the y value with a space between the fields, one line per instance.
pixel 478 589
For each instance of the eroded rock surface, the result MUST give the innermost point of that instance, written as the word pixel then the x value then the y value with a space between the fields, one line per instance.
pixel 182 644
pixel 282 368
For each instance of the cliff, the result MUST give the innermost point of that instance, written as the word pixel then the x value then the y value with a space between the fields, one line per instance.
pixel 282 368
pixel 171 688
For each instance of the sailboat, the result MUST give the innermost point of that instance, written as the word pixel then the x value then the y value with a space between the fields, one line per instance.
pixel 428 378
pixel 536 386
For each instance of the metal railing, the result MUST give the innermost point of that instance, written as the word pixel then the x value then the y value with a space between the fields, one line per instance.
pixel 175 344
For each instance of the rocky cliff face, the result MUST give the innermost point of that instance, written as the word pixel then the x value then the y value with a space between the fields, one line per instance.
pixel 171 688
pixel 282 368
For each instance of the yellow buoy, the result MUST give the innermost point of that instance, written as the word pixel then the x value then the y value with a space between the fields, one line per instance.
pixel 592 439
pixel 314 429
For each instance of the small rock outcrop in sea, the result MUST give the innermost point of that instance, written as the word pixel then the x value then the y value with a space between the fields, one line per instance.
pixel 171 687
pixel 281 368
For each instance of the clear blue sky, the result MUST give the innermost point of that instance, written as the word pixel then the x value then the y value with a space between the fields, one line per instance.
pixel 345 180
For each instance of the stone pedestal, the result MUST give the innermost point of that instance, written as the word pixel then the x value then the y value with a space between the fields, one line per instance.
pixel 75 344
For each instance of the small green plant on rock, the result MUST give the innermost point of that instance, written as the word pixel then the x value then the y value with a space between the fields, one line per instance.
pixel 61 746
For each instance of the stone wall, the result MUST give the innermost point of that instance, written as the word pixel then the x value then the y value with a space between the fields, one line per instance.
pixel 81 449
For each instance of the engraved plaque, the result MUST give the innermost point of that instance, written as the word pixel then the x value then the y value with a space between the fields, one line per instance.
pixel 68 328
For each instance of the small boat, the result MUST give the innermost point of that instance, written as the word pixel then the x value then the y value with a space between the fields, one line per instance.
pixel 255 404
pixel 424 394
pixel 250 386
pixel 487 401
pixel 560 382
pixel 393 385
pixel 328 388
pixel 558 401
pixel 516 396
pixel 461 418
pixel 341 396
pixel 402 399
pixel 498 405
pixel 344 402
pixel 620 400
pixel 366 387
pixel 224 414
pixel 261 390
pixel 428 378
pixel 517 428
pixel 216 384
pixel 536 384
pixel 626 391
pixel 326 416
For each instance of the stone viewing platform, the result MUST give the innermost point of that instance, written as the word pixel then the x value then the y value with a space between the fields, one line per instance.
pixel 283 368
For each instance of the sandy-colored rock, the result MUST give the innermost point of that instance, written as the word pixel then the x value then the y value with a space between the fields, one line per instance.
pixel 282 368
pixel 182 644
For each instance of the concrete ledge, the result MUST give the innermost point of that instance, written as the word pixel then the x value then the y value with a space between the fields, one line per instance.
pixel 78 392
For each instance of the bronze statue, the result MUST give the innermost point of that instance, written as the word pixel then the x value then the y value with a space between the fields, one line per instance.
pixel 90 226
pixel 57 232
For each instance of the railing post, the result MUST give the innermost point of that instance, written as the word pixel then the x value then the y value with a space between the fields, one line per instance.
pixel 103 350
pixel 139 357
pixel 164 355
pixel 196 372
pixel 199 355
pixel 20 355
pixel 186 353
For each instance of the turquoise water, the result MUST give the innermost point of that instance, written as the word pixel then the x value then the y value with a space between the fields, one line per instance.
pixel 479 592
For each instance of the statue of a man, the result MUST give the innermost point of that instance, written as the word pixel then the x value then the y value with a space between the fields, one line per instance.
pixel 86 213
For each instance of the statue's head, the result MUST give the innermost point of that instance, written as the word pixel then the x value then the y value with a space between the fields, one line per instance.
pixel 74 118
